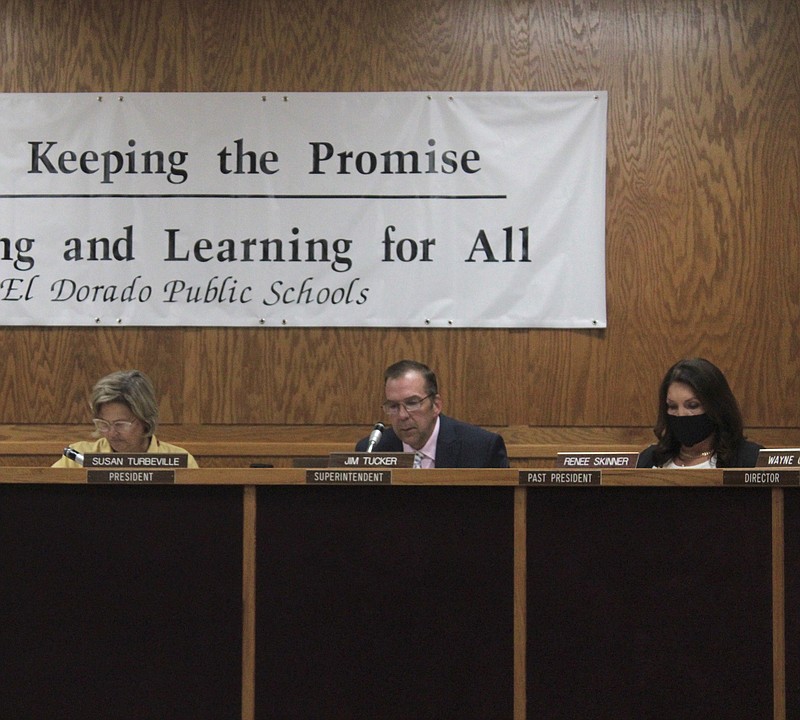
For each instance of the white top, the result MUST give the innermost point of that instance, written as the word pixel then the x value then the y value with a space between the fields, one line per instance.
pixel 709 464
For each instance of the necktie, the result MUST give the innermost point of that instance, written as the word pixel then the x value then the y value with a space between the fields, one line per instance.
pixel 418 459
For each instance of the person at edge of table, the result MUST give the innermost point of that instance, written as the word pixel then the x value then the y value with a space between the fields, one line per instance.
pixel 699 423
pixel 413 407
pixel 125 418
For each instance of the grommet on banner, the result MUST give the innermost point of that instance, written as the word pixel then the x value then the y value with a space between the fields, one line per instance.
pixel 97 320
pixel 261 321
pixel 119 321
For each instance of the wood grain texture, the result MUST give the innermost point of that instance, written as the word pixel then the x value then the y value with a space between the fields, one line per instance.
pixel 703 201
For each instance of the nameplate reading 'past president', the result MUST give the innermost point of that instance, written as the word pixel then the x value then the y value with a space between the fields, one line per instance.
pixel 560 478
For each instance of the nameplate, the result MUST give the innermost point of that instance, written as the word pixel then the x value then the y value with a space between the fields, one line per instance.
pixel 764 478
pixel 129 476
pixel 561 478
pixel 778 457
pixel 597 459
pixel 348 477
pixel 135 460
pixel 387 460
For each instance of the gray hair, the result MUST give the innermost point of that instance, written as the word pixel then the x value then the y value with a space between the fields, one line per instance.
pixel 133 389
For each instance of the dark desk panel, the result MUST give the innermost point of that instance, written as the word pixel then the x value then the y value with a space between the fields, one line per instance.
pixel 649 603
pixel 120 602
pixel 384 602
pixel 792 579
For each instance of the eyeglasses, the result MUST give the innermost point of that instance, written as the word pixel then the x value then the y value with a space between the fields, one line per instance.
pixel 411 406
pixel 120 426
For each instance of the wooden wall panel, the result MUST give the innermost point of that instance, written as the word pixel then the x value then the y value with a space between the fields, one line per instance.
pixel 703 201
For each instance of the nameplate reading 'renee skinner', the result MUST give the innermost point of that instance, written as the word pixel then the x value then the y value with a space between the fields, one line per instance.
pixel 597 459
pixel 560 478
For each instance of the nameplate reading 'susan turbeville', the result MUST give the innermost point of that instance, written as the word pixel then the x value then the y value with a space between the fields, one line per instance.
pixel 561 478
pixel 768 478
pixel 155 461
pixel 597 459
pixel 131 476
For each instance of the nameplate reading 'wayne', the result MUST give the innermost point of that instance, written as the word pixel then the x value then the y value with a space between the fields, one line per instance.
pixel 388 460
pixel 136 460
pixel 778 457
pixel 561 478
pixel 597 459
pixel 768 478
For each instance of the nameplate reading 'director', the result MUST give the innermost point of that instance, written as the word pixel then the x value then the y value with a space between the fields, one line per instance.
pixel 348 477
pixel 597 459
pixel 130 476
pixel 778 457
pixel 764 478
pixel 136 460
pixel 371 460
pixel 560 478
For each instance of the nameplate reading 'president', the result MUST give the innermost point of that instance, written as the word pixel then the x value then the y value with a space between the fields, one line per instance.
pixel 597 459
pixel 388 460
pixel 131 476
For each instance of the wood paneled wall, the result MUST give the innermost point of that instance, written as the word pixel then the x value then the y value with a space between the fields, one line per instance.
pixel 703 201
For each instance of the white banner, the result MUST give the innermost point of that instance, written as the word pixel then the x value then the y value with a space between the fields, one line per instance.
pixel 307 209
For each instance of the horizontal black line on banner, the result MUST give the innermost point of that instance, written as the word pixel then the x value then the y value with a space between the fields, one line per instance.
pixel 256 197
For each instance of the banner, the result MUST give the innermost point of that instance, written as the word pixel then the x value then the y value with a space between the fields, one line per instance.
pixel 303 209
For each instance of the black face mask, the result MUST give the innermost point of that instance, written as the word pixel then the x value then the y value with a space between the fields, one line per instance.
pixel 689 430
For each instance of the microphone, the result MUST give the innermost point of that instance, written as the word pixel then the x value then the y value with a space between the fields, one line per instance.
pixel 73 455
pixel 375 436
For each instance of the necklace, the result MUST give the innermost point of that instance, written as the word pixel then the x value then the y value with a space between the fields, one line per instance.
pixel 690 456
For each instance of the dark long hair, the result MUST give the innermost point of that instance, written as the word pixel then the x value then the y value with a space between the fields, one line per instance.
pixel 713 391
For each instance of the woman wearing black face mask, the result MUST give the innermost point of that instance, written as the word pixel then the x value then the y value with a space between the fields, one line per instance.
pixel 699 423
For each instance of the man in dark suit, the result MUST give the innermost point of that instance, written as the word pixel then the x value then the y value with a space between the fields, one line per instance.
pixel 414 408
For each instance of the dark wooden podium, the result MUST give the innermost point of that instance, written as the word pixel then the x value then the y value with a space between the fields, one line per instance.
pixel 247 593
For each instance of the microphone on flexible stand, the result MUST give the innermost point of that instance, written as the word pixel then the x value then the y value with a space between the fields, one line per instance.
pixel 73 455
pixel 375 436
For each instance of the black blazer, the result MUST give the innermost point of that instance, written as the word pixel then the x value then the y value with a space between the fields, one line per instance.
pixel 745 457
pixel 459 445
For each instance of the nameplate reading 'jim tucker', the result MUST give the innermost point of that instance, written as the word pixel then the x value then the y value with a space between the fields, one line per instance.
pixel 768 478
pixel 778 457
pixel 348 477
pixel 561 478
pixel 387 460
pixel 131 476
pixel 136 460
pixel 597 459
